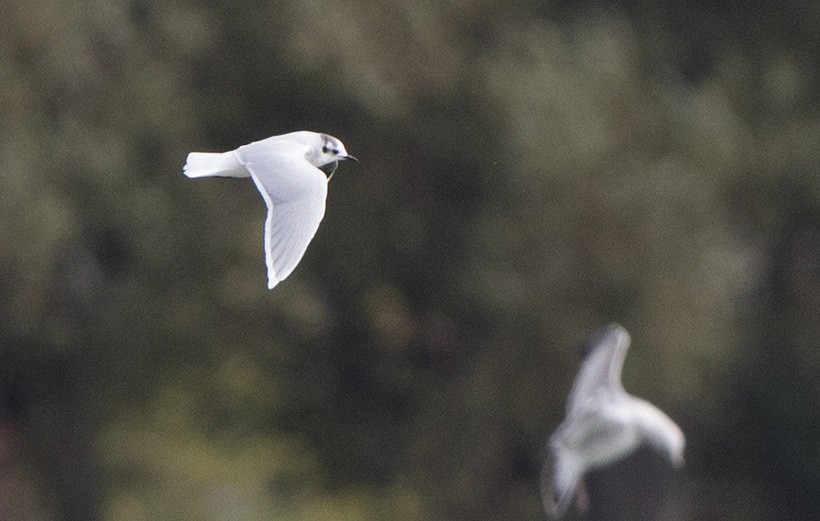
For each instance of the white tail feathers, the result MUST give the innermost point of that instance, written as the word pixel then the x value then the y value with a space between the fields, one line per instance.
pixel 206 164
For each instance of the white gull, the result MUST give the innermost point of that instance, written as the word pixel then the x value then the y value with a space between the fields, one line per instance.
pixel 285 170
pixel 603 424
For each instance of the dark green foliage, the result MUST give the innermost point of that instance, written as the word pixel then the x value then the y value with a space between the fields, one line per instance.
pixel 529 172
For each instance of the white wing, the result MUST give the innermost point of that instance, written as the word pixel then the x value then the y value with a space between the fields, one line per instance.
pixel 294 192
pixel 600 375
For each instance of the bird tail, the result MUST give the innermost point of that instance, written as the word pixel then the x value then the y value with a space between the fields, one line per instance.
pixel 207 164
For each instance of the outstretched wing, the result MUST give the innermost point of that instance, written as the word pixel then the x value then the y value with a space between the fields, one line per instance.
pixel 295 193
pixel 600 374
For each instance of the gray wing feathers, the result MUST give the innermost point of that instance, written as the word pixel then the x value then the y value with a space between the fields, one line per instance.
pixel 290 238
pixel 600 374
pixel 617 357
pixel 294 192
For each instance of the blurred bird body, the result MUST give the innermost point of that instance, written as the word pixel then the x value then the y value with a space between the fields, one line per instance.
pixel 285 170
pixel 603 424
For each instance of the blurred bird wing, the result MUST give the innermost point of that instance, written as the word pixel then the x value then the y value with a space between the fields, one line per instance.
pixel 561 476
pixel 295 193
pixel 600 375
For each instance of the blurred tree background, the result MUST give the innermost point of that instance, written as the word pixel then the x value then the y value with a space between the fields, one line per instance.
pixel 530 171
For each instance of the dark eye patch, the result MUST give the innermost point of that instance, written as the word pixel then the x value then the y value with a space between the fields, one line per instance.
pixel 325 149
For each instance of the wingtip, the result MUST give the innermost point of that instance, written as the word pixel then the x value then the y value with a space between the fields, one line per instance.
pixel 620 332
pixel 550 498
pixel 273 281
pixel 612 329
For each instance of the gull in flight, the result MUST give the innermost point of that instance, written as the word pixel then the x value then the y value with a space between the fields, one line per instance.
pixel 603 424
pixel 285 170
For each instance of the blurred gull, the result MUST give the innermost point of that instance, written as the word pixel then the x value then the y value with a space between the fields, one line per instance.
pixel 285 171
pixel 603 424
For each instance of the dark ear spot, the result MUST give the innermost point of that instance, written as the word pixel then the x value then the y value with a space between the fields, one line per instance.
pixel 325 149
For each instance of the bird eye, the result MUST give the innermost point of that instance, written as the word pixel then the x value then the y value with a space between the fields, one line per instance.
pixel 335 151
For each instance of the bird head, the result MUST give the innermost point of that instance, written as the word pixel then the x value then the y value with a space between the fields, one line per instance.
pixel 331 150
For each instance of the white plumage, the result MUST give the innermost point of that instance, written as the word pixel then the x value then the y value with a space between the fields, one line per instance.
pixel 285 171
pixel 603 424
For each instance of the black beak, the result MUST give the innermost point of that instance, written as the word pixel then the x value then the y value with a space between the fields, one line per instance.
pixel 349 158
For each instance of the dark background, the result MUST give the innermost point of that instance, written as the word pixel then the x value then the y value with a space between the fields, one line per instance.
pixel 530 171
